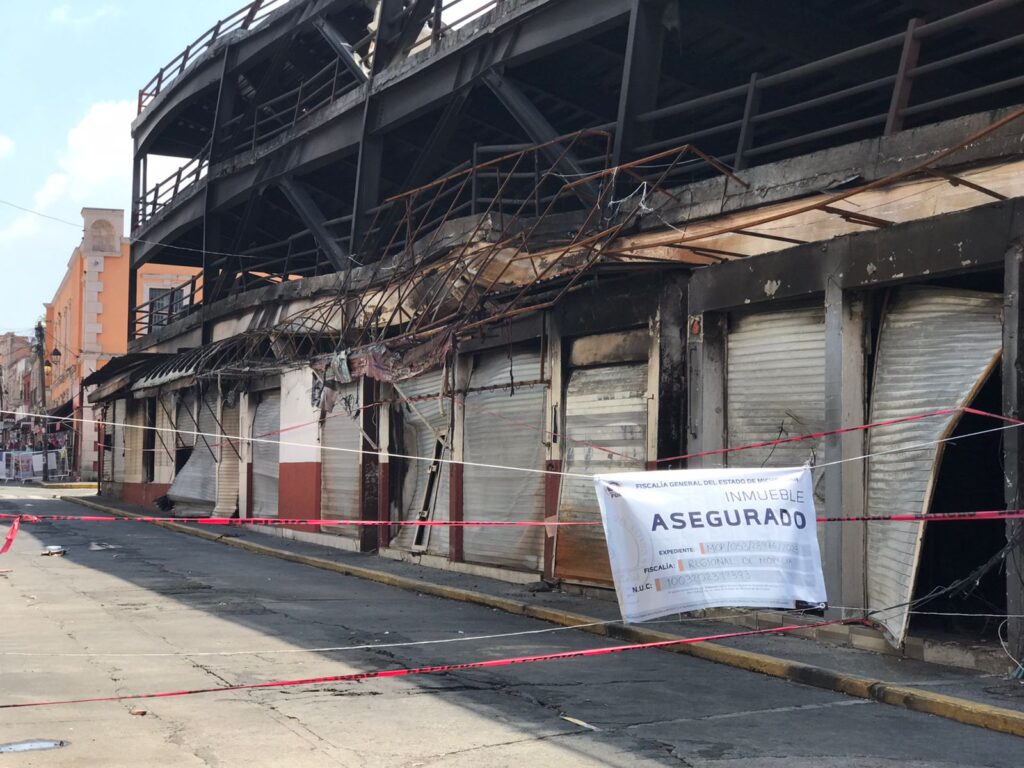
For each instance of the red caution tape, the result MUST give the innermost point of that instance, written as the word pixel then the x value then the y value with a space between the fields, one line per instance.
pixel 276 521
pixel 816 435
pixel 439 668
pixel 11 533
pixel 237 522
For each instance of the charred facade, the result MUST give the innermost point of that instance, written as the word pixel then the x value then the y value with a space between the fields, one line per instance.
pixel 579 236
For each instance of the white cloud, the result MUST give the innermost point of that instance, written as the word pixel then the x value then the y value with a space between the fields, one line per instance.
pixel 65 14
pixel 94 168
pixel 6 146
pixel 99 150
pixel 53 189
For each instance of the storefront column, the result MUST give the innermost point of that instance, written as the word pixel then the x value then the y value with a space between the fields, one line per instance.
pixel 844 483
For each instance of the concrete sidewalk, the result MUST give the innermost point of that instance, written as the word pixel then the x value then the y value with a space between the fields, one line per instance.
pixel 989 701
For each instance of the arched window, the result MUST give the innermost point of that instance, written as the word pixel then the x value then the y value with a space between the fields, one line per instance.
pixel 102 237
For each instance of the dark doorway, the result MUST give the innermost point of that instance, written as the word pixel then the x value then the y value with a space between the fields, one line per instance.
pixel 970 479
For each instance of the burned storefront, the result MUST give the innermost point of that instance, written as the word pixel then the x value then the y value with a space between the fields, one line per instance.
pixel 452 266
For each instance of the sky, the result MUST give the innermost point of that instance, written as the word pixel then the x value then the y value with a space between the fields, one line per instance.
pixel 71 72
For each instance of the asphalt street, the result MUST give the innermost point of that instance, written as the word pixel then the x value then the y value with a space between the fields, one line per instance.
pixel 132 608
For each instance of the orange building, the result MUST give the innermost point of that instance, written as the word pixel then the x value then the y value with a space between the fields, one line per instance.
pixel 87 320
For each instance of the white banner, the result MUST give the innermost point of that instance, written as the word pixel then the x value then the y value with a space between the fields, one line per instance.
pixel 683 540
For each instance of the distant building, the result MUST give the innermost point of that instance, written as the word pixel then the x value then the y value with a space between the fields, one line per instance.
pixel 87 324
pixel 15 364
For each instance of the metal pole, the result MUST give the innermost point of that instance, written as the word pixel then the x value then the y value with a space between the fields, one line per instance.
pixel 41 340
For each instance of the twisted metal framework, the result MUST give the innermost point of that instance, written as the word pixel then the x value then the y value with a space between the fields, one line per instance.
pixel 432 268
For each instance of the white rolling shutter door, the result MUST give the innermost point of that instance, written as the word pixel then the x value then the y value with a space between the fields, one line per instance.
pixel 504 426
pixel 266 455
pixel 227 468
pixel 194 490
pixel 164 458
pixel 117 420
pixel 340 468
pixel 185 421
pixel 604 407
pixel 426 422
pixel 109 432
pixel 776 388
pixel 935 350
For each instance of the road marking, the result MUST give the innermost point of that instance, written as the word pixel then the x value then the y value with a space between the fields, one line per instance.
pixel 752 712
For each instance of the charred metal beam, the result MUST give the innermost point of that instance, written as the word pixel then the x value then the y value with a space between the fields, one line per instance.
pixel 554 26
pixel 923 249
pixel 399 28
pixel 314 219
pixel 341 48
pixel 368 172
pixel 540 131
pixel 1013 440
pixel 640 76
pixel 429 155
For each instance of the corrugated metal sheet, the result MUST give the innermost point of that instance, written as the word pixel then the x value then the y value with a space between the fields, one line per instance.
pixel 185 420
pixel 164 459
pixel 109 432
pixel 504 426
pixel 227 467
pixel 133 441
pixel 194 490
pixel 426 422
pixel 340 469
pixel 775 387
pixel 606 407
pixel 935 348
pixel 266 455
pixel 119 413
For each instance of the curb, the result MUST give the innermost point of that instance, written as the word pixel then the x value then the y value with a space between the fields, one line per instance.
pixel 915 699
pixel 69 486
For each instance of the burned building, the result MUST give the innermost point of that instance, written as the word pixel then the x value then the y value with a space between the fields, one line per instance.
pixel 436 241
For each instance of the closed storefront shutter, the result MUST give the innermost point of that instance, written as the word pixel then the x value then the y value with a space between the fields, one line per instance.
pixel 185 422
pixel 266 455
pixel 604 407
pixel 935 350
pixel 340 468
pixel 775 389
pixel 164 440
pixel 119 414
pixel 504 426
pixel 426 419
pixel 227 467
pixel 194 490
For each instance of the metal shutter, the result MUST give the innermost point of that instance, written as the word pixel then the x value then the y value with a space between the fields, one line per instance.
pixel 163 463
pixel 776 388
pixel 185 420
pixel 426 422
pixel 133 441
pixel 194 490
pixel 227 467
pixel 266 455
pixel 117 426
pixel 504 426
pixel 340 468
pixel 935 350
pixel 604 407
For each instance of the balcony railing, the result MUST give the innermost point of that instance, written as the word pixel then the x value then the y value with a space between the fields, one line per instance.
pixel 169 306
pixel 283 112
pixel 154 199
pixel 244 18
pixel 445 16
pixel 879 104
pixel 274 116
